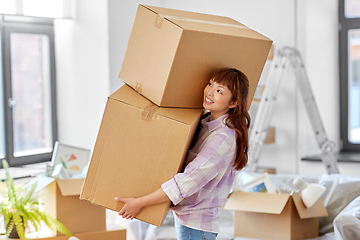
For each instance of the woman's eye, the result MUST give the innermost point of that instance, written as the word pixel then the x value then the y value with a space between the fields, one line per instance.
pixel 209 84
pixel 219 91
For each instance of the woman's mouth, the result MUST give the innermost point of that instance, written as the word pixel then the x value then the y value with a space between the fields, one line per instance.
pixel 208 100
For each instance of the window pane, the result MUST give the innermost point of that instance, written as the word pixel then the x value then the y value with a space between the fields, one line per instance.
pixel 43 8
pixel 7 6
pixel 354 86
pixel 352 8
pixel 2 114
pixel 30 73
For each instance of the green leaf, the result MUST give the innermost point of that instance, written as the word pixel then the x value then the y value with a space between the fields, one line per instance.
pixel 19 225
pixel 9 182
pixel 30 193
pixel 9 227
pixel 60 227
pixel 20 208
pixel 35 223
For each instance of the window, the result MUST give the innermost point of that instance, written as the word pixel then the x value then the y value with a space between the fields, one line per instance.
pixel 28 128
pixel 349 17
pixel 28 123
pixel 2 119
pixel 37 8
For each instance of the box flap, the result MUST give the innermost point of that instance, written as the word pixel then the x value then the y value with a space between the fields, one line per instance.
pixel 129 96
pixel 70 187
pixel 317 210
pixel 179 14
pixel 205 22
pixel 187 116
pixel 257 202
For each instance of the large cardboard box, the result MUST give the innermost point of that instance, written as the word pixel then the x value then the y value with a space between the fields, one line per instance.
pixel 60 199
pixel 171 54
pixel 274 216
pixel 139 147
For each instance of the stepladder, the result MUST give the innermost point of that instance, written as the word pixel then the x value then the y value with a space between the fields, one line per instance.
pixel 286 59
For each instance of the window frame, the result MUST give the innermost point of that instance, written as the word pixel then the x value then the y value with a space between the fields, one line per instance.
pixel 345 24
pixel 32 25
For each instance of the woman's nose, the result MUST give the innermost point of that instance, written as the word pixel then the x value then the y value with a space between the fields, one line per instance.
pixel 210 92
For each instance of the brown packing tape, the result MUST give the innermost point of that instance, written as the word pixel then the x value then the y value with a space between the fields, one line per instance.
pixel 148 112
pixel 160 19
pixel 138 87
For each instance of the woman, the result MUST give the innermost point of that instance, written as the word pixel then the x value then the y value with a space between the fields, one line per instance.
pixel 218 150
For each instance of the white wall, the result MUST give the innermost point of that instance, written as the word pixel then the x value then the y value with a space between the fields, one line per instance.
pixel 102 33
pixel 319 46
pixel 82 71
pixel 121 17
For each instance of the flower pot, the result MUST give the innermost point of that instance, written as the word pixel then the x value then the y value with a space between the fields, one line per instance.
pixel 14 232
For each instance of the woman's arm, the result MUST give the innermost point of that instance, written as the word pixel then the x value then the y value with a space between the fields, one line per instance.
pixel 133 206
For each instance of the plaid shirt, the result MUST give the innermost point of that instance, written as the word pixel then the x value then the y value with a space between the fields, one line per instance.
pixel 203 187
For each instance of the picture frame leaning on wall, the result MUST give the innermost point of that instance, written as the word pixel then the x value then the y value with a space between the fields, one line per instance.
pixel 74 159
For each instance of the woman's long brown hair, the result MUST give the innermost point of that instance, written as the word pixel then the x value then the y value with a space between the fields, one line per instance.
pixel 238 118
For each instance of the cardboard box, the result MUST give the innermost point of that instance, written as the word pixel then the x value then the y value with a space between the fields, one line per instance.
pixel 61 200
pixel 171 54
pixel 274 216
pixel 139 147
pixel 270 137
pixel 119 234
pixel 271 53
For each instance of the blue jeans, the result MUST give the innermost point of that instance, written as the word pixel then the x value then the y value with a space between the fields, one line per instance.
pixel 185 233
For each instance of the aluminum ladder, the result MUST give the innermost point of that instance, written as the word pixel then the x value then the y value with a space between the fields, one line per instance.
pixel 282 60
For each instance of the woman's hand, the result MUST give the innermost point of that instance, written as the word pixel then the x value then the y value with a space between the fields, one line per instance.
pixel 131 208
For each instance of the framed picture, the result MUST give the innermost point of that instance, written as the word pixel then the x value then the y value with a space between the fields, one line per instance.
pixel 259 184
pixel 74 159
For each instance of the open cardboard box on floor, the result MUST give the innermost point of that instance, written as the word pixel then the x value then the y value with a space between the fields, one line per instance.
pixel 139 147
pixel 274 216
pixel 60 199
pixel 171 54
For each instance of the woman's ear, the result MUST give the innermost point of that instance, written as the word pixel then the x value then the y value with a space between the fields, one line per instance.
pixel 233 104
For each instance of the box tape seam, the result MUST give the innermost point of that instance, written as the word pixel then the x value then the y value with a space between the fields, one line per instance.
pixel 138 87
pixel 148 112
pixel 160 19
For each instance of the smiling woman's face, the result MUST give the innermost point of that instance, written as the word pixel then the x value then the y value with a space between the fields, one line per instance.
pixel 217 99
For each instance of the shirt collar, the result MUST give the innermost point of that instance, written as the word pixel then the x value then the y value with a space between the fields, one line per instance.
pixel 214 123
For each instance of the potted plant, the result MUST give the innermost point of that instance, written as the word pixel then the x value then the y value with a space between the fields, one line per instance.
pixel 20 209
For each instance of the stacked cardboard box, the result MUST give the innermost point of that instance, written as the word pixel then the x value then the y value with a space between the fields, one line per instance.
pixel 60 199
pixel 149 123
